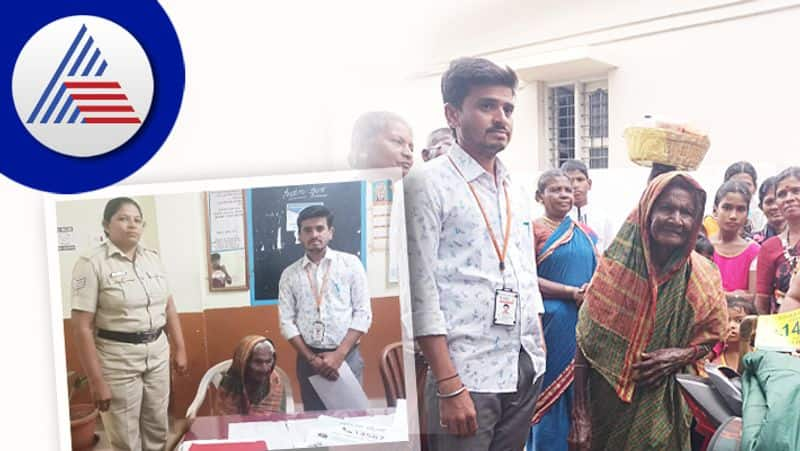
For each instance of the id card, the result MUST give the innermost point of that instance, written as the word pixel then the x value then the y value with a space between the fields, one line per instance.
pixel 505 307
pixel 317 332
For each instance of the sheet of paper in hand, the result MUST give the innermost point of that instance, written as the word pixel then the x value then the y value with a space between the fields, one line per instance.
pixel 345 393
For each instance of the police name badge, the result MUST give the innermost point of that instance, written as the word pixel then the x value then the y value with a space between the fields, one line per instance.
pixel 317 332
pixel 505 307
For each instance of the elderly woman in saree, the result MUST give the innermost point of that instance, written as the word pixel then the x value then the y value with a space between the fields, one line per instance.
pixel 565 260
pixel 653 308
pixel 251 386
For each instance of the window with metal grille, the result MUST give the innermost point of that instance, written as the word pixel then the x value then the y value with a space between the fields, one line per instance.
pixel 598 128
pixel 562 123
pixel 582 107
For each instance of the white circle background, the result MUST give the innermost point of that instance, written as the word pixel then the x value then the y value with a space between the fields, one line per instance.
pixel 38 61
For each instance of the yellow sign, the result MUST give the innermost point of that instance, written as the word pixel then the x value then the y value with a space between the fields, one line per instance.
pixel 779 332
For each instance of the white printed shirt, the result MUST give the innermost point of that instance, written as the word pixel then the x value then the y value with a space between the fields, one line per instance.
pixel 599 223
pixel 346 303
pixel 454 270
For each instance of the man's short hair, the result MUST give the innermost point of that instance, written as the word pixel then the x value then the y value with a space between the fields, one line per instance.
pixel 464 73
pixel 215 256
pixel 575 165
pixel 314 211
pixel 365 129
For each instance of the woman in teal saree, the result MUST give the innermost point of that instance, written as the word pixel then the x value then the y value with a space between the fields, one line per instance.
pixel 566 260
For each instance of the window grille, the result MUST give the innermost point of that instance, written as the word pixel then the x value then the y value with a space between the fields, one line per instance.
pixel 591 122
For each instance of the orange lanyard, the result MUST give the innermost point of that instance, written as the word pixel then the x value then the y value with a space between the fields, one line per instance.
pixel 501 255
pixel 318 295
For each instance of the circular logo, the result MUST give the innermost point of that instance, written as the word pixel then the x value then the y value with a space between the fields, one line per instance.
pixel 89 89
pixel 82 86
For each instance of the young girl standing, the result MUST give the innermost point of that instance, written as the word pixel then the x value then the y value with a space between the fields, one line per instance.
pixel 733 254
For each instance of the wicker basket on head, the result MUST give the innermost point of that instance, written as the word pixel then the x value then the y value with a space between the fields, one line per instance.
pixel 648 145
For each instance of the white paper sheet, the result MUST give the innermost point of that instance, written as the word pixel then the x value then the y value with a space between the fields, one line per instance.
pixel 275 433
pixel 398 430
pixel 331 431
pixel 301 431
pixel 345 393
pixel 321 431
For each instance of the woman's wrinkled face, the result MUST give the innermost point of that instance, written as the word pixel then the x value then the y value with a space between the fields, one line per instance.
pixel 262 360
pixel 672 218
pixel 557 197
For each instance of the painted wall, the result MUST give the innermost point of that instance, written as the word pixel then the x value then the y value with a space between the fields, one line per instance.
pixel 724 66
pixel 176 224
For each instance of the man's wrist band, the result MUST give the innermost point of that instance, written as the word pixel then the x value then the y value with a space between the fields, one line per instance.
pixel 451 394
pixel 446 379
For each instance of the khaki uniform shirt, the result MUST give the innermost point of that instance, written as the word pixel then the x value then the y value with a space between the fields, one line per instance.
pixel 125 295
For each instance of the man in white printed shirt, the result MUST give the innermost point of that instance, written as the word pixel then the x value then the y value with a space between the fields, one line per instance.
pixel 324 305
pixel 474 291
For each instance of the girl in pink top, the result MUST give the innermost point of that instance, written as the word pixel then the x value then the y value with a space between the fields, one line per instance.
pixel 733 254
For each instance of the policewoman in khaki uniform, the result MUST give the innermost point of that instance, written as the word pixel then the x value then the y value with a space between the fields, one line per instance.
pixel 125 321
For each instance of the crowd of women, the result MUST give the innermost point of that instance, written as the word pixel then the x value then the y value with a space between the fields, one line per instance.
pixel 653 308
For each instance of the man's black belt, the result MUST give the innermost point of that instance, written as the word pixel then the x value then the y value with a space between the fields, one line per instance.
pixel 147 336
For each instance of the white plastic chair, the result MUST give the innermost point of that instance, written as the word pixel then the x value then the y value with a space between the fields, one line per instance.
pixel 214 377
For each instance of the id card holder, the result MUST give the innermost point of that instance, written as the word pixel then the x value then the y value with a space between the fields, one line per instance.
pixel 317 332
pixel 505 307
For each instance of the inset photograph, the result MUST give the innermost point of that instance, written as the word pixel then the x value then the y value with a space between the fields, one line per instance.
pixel 259 313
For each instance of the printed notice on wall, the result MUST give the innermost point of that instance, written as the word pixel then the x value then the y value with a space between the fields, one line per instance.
pixel 226 220
pixel 66 239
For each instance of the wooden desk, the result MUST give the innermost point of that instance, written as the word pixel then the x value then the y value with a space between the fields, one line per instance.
pixel 210 428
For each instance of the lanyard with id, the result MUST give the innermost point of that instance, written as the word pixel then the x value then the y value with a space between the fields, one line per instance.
pixel 505 299
pixel 318 327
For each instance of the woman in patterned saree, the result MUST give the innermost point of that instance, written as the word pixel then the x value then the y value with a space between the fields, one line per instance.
pixel 653 308
pixel 251 386
pixel 779 257
pixel 565 261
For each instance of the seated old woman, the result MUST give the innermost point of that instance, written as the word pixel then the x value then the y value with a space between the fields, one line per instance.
pixel 251 386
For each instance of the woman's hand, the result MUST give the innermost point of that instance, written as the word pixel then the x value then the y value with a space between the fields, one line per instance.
pixel 579 293
pixel 101 394
pixel 180 362
pixel 661 363
pixel 580 432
